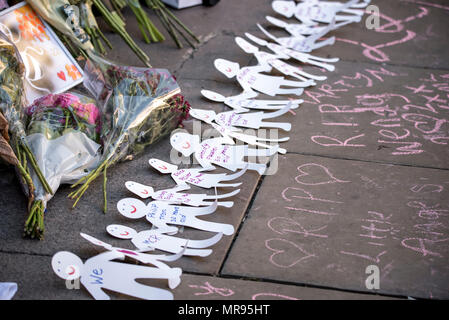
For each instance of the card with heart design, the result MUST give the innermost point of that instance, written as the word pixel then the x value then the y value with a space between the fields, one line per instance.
pixel 49 67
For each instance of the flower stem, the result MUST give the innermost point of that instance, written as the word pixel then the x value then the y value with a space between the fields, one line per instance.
pixel 36 168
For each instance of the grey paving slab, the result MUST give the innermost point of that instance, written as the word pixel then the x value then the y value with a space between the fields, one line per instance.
pixel 323 221
pixel 195 287
pixel 36 281
pixel 411 33
pixel 375 113
pixel 207 23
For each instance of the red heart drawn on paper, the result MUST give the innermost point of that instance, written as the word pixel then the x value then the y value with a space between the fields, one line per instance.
pixel 286 253
pixel 311 174
pixel 61 75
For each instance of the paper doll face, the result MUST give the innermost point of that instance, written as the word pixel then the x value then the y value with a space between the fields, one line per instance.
pixel 204 115
pixel 66 265
pixel 214 96
pixel 132 208
pixel 285 8
pixel 140 190
pixel 121 232
pixel 162 166
pixel 228 68
pixel 184 142
pixel 246 46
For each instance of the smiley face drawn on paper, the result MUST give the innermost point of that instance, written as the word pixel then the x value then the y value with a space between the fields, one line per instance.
pixel 67 265
pixel 184 142
pixel 162 166
pixel 246 46
pixel 228 68
pixel 132 208
pixel 285 8
pixel 121 232
pixel 204 115
pixel 140 190
pixel 214 96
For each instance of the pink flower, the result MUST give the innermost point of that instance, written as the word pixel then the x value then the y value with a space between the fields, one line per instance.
pixel 66 100
pixel 93 112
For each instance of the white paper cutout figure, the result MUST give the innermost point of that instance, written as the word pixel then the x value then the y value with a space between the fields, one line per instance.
pixel 153 239
pixel 101 272
pixel 274 61
pixel 302 29
pixel 251 78
pixel 232 119
pixel 300 56
pixel 160 213
pixel 312 11
pixel 251 140
pixel 155 260
pixel 303 43
pixel 243 102
pixel 196 176
pixel 172 196
pixel 219 151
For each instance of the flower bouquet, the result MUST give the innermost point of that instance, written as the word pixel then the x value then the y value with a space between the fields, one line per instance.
pixel 139 106
pixel 12 100
pixel 63 133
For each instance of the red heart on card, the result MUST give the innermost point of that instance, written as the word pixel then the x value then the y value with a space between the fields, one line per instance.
pixel 61 75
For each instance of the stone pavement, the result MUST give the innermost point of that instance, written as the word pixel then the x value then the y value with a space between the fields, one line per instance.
pixel 365 180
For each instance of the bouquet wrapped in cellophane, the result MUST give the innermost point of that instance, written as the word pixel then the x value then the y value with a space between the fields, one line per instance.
pixel 63 133
pixel 139 106
pixel 12 102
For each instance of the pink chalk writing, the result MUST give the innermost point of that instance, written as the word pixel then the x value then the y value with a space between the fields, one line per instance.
pixel 302 191
pixel 284 226
pixel 286 254
pixel 326 141
pixel 208 289
pixel 305 177
pixel 269 294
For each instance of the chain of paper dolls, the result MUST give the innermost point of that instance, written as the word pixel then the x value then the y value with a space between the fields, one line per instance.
pixel 173 208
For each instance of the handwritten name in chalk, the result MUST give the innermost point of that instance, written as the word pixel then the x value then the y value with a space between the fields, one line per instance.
pixel 406 123
pixel 392 26
pixel 431 230
pixel 208 289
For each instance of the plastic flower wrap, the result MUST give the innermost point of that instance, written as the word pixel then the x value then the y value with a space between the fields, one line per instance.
pixel 12 100
pixel 139 106
pixel 63 132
